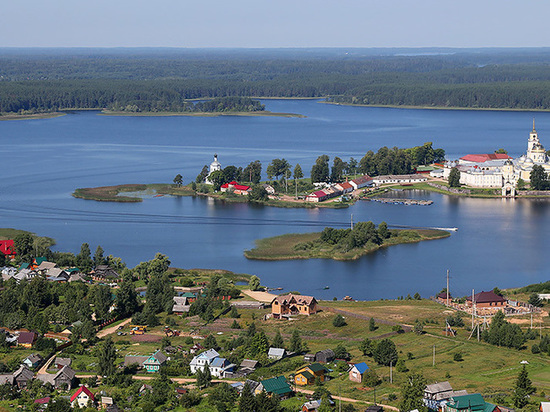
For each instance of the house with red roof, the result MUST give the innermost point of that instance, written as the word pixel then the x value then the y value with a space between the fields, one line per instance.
pixel 81 397
pixel 487 300
pixel 344 187
pixel 317 196
pixel 7 248
pixel 482 158
pixel 235 187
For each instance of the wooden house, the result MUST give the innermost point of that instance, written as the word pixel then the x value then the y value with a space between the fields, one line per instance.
pixel 26 339
pixel 59 363
pixel 358 371
pixel 287 305
pixel 308 375
pixel 154 362
pixel 22 376
pixel 33 360
pixel 442 298
pixel 324 356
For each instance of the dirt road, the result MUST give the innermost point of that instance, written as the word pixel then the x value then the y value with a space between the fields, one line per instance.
pixel 112 329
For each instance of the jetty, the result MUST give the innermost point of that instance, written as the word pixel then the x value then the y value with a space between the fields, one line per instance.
pixel 398 201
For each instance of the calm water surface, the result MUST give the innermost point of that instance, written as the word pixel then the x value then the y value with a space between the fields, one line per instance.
pixel 499 242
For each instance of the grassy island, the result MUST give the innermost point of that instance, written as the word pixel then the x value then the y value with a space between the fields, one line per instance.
pixel 338 244
pixel 199 114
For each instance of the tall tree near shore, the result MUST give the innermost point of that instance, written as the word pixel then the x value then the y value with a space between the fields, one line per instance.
pixel 84 259
pixel 539 178
pixel 454 177
pixel 412 393
pixel 98 256
pixel 178 180
pixel 320 171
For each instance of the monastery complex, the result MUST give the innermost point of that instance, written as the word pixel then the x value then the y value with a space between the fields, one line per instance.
pixel 498 170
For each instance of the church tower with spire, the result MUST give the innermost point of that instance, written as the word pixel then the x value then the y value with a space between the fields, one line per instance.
pixel 535 150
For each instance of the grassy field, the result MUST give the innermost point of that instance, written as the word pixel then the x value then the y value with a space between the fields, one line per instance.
pixel 8 233
pixel 288 246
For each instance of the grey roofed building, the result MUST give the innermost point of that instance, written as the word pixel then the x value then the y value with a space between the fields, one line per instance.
pixel 22 376
pixel 60 362
pixel 58 273
pixel 324 356
pixel 105 271
pixel 45 266
pixel 132 359
pixel 181 304
pixel 76 277
pixel 248 363
pixel 6 379
pixel 33 360
pixel 276 353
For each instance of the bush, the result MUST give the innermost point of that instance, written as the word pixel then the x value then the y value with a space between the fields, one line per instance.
pixel 457 357
pixel 339 321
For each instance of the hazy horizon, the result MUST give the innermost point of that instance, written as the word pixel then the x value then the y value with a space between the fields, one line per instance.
pixel 281 24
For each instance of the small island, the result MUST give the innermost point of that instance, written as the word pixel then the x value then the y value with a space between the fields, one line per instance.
pixel 338 244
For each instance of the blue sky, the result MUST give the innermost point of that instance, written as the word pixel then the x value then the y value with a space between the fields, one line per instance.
pixel 274 23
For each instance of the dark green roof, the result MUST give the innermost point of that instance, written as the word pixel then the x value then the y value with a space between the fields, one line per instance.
pixel 424 168
pixel 40 259
pixel 473 402
pixel 306 374
pixel 277 385
pixel 316 367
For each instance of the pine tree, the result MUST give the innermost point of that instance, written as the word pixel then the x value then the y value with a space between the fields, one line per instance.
pixel 412 393
pixel 295 341
pixel 278 340
pixel 247 402
pixel 107 358
pixel 372 325
pixel 523 389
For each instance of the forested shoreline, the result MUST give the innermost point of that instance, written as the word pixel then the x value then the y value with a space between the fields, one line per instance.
pixel 139 81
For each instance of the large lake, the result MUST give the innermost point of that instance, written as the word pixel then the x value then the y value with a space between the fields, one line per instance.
pixel 499 242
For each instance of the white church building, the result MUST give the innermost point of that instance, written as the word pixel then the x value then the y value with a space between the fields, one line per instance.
pixel 214 167
pixel 498 170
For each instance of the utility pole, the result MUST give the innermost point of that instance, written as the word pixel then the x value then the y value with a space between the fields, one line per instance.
pixel 351 222
pixel 531 320
pixel 433 359
pixel 391 376
pixel 448 294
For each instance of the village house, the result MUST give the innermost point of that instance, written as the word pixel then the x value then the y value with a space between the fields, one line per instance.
pixel 32 361
pixel 308 375
pixel 203 360
pixel 444 298
pixel 324 356
pixel 287 305
pixel 155 361
pixel 436 393
pixel 358 371
pixel 278 386
pixel 360 182
pixel 26 339
pixel 44 267
pixel 65 378
pixel 317 196
pixel 469 403
pixel 276 353
pixel 22 376
pixel 103 273
pixel 247 366
pixel 181 305
pixel 344 187
pixel 81 398
pixel 269 189
pixel 61 362
pixel 6 247
pixel 220 367
pixel 25 274
pixel 487 300
pixel 235 187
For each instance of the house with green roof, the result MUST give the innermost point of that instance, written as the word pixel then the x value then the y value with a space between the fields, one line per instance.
pixel 308 374
pixel 469 403
pixel 278 385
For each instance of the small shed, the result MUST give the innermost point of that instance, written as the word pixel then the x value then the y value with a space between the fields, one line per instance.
pixel 324 356
pixel 276 353
pixel 358 371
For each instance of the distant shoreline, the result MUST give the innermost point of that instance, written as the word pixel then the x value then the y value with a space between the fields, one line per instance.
pixel 31 116
pixel 198 114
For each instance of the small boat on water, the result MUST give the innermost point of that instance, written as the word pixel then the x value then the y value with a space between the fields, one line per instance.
pixel 326 287
pixel 158 196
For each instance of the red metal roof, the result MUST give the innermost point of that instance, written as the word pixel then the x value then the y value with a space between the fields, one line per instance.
pixel 225 185
pixel 480 158
pixel 241 187
pixel 80 390
pixel 318 193
pixel 6 247
pixel 346 185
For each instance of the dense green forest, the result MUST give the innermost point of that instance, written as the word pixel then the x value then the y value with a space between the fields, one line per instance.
pixel 39 80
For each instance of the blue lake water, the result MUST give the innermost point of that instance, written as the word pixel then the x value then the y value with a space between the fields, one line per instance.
pixel 499 242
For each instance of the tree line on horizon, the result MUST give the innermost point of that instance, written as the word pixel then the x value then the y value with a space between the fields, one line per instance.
pixel 45 83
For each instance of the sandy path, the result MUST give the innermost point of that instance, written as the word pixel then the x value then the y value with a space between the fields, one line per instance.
pixel 112 329
pixel 260 296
